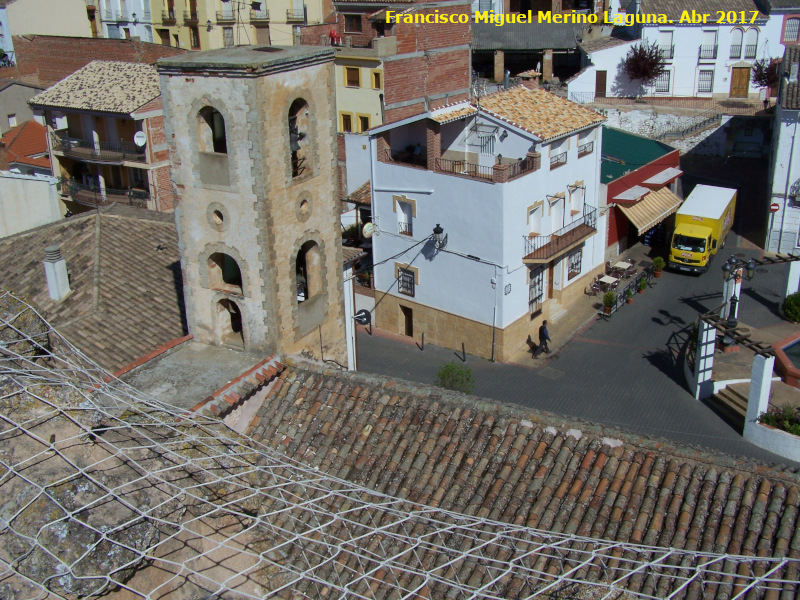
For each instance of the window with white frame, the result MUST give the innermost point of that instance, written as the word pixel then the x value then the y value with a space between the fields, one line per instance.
pixel 536 290
pixel 736 43
pixel 790 32
pixel 405 212
pixel 487 144
pixel 705 81
pixel 662 82
pixel 751 43
pixel 405 281
pixel 574 263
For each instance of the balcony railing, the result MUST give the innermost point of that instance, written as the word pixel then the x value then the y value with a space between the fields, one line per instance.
pixel 93 195
pixel 295 14
pixel 543 248
pixel 460 167
pixel 225 16
pixel 408 158
pixel 168 17
pixel 584 149
pixel 261 15
pixel 107 152
pixel 405 228
pixel 529 164
pixel 736 51
pixel 558 160
pixel 750 51
pixel 190 17
pixel 706 52
pixel 667 52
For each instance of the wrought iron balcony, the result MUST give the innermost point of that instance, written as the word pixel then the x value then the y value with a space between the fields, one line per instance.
pixel 544 248
pixel 102 152
pixel 558 160
pixel 736 51
pixel 168 17
pixel 667 52
pixel 707 52
pixel 93 195
pixel 225 16
pixel 190 17
pixel 295 14
pixel 460 167
pixel 259 16
pixel 750 51
pixel 585 149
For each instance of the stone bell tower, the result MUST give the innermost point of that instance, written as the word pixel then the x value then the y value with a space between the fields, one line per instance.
pixel 252 139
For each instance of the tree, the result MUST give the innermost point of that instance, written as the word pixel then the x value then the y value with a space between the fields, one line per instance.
pixel 644 62
pixel 765 73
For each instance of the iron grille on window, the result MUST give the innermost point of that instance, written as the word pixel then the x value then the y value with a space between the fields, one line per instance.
pixel 750 51
pixel 705 81
pixel 484 5
pixel 405 282
pixel 791 31
pixel 405 227
pixel 487 144
pixel 736 50
pixel 574 268
pixel 558 160
pixel 709 51
pixel 662 82
pixel 536 290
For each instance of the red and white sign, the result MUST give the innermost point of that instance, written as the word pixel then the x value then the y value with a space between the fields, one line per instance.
pixel 774 207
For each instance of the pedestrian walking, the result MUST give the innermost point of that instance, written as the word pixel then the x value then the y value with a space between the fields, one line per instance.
pixel 544 337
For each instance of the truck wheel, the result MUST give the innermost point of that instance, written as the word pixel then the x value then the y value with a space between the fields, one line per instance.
pixel 722 245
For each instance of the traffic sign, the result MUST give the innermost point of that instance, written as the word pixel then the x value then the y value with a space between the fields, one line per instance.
pixel 774 207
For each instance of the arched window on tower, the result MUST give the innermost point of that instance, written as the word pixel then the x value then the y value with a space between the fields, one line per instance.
pixel 308 271
pixel 224 273
pixel 211 131
pixel 212 142
pixel 299 153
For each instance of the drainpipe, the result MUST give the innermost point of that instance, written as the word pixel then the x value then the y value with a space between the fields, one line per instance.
pixel 788 170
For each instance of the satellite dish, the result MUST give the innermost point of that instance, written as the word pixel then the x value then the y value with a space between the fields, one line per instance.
pixel 140 139
pixel 368 230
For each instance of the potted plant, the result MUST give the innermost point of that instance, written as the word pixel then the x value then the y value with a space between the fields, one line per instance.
pixel 642 285
pixel 658 266
pixel 629 296
pixel 609 298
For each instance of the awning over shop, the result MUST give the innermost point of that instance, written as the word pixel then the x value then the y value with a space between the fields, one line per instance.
pixel 666 176
pixel 633 193
pixel 652 209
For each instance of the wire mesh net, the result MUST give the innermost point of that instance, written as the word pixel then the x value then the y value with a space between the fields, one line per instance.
pixel 107 491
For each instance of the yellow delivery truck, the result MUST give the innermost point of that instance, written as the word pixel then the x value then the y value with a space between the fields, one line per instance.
pixel 701 224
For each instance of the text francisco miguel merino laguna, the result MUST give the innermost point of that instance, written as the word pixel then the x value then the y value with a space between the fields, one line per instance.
pixel 543 16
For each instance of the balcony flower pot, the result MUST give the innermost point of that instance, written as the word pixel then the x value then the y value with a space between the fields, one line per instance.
pixel 658 266
pixel 629 297
pixel 642 285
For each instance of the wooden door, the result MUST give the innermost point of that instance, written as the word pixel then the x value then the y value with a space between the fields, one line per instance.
pixel 550 280
pixel 740 82
pixel 600 84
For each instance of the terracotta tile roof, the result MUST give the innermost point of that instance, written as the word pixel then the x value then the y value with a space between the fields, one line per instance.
pixel 24 142
pixel 103 86
pixel 120 308
pixel 453 114
pixel 539 112
pixel 362 195
pixel 490 460
pixel 350 254
pixel 790 93
pixel 602 43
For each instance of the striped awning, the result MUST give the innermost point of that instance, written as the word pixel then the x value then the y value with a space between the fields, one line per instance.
pixel 652 209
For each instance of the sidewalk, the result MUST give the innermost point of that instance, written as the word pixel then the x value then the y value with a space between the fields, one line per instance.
pixel 579 315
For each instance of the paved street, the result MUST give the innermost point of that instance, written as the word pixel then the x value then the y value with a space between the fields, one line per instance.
pixel 623 373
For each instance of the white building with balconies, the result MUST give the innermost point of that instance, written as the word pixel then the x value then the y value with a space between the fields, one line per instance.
pixel 708 53
pixel 513 181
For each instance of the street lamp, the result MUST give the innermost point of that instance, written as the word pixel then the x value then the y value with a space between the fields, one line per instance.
pixel 439 237
pixel 733 271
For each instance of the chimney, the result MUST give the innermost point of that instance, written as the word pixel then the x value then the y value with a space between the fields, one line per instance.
pixel 55 269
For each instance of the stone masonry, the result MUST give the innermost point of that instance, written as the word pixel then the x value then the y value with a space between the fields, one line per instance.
pixel 247 203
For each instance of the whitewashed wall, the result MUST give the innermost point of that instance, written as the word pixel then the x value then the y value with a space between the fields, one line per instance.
pixel 27 201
